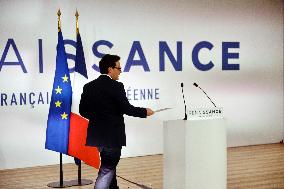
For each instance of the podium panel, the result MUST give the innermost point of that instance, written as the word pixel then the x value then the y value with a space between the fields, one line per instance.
pixel 195 154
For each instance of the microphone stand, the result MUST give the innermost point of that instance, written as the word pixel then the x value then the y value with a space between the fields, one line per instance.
pixel 185 115
pixel 204 93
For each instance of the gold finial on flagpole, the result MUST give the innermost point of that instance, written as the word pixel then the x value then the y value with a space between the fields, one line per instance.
pixel 77 22
pixel 59 22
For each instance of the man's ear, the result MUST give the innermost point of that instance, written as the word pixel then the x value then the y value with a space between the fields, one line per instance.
pixel 109 70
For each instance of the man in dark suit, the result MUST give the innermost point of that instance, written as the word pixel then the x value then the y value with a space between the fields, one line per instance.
pixel 104 103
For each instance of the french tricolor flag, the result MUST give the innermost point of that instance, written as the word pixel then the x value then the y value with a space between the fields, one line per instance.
pixel 78 124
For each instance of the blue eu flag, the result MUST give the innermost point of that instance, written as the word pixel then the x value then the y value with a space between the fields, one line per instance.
pixel 58 123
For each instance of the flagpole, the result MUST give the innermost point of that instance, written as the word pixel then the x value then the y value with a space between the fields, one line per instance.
pixel 77 22
pixel 61 171
pixel 79 175
pixel 79 181
pixel 61 183
pixel 79 163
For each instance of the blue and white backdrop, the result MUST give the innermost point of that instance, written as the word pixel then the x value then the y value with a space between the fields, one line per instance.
pixel 233 49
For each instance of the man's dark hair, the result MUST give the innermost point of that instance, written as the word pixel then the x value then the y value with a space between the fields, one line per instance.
pixel 107 61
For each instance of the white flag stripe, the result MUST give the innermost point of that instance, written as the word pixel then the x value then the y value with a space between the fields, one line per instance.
pixel 77 87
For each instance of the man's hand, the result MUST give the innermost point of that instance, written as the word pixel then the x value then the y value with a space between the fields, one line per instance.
pixel 149 112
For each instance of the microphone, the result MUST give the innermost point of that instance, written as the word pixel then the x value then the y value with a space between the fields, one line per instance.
pixel 185 115
pixel 204 93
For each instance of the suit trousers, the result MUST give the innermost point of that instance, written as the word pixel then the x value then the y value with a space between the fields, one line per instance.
pixel 107 173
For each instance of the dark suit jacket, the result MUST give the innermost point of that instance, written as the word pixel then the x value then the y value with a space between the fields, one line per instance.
pixel 104 102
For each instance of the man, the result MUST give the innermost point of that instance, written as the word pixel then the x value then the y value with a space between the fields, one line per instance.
pixel 104 103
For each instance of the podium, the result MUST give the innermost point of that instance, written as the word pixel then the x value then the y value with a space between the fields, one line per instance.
pixel 195 154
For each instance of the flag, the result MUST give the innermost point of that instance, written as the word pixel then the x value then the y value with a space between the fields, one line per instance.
pixel 57 131
pixel 78 124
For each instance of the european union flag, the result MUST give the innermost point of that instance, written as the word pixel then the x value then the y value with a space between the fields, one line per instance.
pixel 57 132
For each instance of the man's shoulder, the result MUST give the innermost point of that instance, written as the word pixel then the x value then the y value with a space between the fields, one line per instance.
pixel 107 80
pixel 119 83
pixel 104 81
pixel 98 79
pixel 89 83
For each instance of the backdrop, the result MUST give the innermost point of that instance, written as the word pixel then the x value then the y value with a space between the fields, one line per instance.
pixel 233 50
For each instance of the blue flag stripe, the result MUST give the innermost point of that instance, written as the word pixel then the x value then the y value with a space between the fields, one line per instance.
pixel 80 64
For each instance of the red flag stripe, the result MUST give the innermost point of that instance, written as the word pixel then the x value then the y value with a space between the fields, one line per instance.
pixel 77 140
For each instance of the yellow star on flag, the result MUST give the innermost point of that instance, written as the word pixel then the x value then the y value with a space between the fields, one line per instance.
pixel 58 90
pixel 58 103
pixel 65 78
pixel 64 116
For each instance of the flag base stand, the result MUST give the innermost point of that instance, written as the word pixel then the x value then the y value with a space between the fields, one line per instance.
pixel 82 183
pixel 70 183
pixel 65 184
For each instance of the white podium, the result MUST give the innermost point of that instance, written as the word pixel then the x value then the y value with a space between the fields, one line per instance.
pixel 195 154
